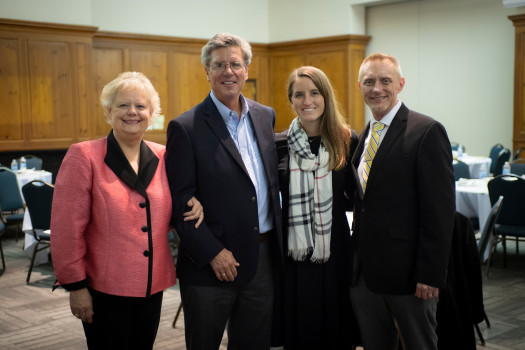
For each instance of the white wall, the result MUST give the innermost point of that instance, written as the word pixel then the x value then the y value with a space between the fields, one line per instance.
pixel 183 18
pixel 458 60
pixel 55 11
pixel 300 19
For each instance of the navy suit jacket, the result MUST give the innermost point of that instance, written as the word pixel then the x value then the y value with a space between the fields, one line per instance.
pixel 403 223
pixel 203 161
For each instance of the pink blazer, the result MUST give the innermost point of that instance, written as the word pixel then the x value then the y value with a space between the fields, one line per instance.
pixel 104 232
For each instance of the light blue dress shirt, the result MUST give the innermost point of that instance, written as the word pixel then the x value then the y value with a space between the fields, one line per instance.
pixel 241 131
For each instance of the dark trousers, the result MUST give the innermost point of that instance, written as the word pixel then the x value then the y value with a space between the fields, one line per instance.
pixel 123 323
pixel 247 311
pixel 380 315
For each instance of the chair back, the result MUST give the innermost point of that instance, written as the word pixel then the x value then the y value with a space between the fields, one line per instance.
pixel 494 152
pixel 455 146
pixel 503 156
pixel 489 227
pixel 39 196
pixel 2 225
pixel 517 154
pixel 32 162
pixel 517 168
pixel 512 188
pixel 461 170
pixel 10 198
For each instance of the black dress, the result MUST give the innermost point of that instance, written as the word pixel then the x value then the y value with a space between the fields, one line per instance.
pixel 316 311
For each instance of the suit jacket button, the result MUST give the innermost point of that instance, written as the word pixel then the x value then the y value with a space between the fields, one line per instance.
pixel 145 228
pixel 256 229
pixel 254 199
pixel 146 253
pixel 142 204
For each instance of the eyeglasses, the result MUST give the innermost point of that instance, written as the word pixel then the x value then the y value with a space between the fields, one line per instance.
pixel 221 66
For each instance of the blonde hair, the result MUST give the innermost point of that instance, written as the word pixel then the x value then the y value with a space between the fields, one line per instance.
pixel 125 81
pixel 335 132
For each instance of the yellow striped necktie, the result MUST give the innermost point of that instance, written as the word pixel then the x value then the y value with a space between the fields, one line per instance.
pixel 371 150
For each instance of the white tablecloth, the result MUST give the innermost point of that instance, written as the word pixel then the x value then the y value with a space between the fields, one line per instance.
pixel 24 177
pixel 474 164
pixel 472 200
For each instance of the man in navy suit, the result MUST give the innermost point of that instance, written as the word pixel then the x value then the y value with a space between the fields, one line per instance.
pixel 403 217
pixel 223 152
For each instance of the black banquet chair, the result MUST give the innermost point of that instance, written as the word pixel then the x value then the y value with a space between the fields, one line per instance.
pixel 489 239
pixel 493 155
pixel 461 170
pixel 460 307
pixel 2 231
pixel 511 220
pixel 32 162
pixel 517 154
pixel 39 196
pixel 517 168
pixel 503 156
pixel 10 199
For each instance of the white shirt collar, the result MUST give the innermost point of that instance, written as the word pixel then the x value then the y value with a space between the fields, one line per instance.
pixel 387 119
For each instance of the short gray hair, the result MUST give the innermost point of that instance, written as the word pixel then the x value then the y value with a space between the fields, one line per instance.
pixel 222 40
pixel 125 81
pixel 379 56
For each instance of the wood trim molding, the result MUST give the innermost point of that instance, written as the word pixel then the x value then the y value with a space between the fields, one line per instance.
pixel 518 139
pixel 350 38
pixel 40 27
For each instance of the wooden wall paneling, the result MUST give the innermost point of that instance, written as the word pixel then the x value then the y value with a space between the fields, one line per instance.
pixel 250 87
pixel 51 77
pixel 333 64
pixel 51 95
pixel 84 89
pixel 53 83
pixel 356 105
pixel 256 88
pixel 154 64
pixel 519 82
pixel 107 64
pixel 280 68
pixel 190 84
pixel 519 102
pixel 263 84
pixel 10 92
pixel 339 57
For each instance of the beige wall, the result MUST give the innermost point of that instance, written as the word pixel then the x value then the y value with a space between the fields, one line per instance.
pixel 458 60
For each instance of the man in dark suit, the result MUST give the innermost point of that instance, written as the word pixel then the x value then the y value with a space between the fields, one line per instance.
pixel 403 217
pixel 223 152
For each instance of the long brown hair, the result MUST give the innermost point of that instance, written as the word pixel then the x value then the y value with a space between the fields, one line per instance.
pixel 335 132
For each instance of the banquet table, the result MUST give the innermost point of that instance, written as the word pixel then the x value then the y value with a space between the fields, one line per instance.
pixel 24 177
pixel 472 200
pixel 475 163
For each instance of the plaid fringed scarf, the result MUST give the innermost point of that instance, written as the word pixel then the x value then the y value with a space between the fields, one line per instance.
pixel 310 204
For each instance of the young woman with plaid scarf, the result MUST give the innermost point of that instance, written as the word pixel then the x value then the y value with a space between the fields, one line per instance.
pixel 314 158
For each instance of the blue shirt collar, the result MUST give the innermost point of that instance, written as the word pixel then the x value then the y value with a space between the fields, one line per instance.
pixel 225 111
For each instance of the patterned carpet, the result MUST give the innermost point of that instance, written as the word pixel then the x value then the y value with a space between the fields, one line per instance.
pixel 33 317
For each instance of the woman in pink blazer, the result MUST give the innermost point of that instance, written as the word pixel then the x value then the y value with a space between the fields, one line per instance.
pixel 109 222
